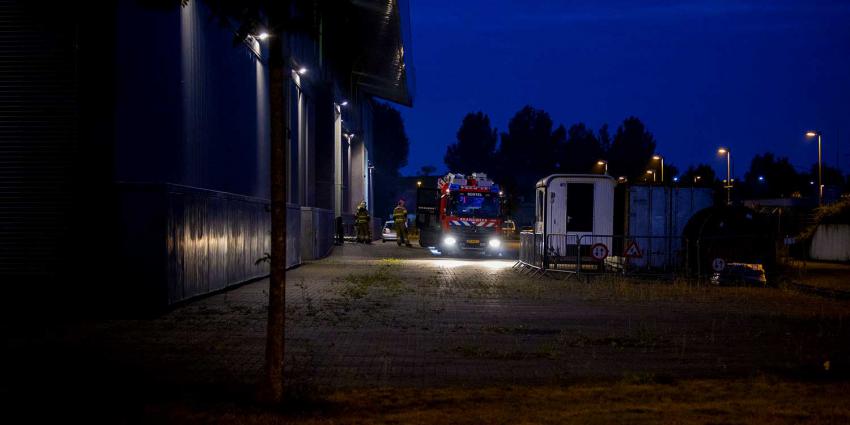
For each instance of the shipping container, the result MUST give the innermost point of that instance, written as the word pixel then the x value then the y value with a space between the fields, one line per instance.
pixel 655 219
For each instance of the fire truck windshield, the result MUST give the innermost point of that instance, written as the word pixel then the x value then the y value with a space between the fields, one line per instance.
pixel 480 205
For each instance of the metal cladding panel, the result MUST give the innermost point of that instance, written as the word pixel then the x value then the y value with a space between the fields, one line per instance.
pixel 202 241
pixel 317 230
pixel 179 68
pixel 293 233
pixel 38 138
pixel 661 212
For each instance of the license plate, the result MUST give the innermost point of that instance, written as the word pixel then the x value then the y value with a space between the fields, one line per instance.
pixel 473 241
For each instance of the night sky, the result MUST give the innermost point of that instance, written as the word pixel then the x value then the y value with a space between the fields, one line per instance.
pixel 700 74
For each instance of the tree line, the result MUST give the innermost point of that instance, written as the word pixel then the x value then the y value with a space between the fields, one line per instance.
pixel 532 148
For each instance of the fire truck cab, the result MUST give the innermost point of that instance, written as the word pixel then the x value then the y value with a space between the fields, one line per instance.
pixel 465 214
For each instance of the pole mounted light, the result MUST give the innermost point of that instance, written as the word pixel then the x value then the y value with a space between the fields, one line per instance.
pixel 603 163
pixel 820 164
pixel 728 153
pixel 659 157
pixel 419 183
pixel 653 174
pixel 262 36
pixel 343 103
pixel 697 178
pixel 301 70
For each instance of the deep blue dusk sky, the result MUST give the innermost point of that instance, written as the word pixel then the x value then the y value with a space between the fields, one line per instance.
pixel 700 74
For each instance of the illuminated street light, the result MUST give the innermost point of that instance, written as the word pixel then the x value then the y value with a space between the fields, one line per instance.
pixel 761 179
pixel 676 179
pixel 820 165
pixel 262 36
pixel 301 71
pixel 697 178
pixel 658 157
pixel 343 103
pixel 728 180
pixel 419 183
pixel 501 193
pixel 604 163
pixel 653 174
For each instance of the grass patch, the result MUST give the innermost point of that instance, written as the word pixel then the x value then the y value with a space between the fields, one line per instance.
pixel 638 401
pixel 358 285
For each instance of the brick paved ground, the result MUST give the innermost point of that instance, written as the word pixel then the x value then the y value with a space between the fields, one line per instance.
pixel 385 316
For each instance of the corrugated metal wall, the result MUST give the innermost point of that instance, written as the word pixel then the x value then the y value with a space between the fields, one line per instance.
pixel 317 226
pixel 213 240
pixel 38 138
pixel 180 242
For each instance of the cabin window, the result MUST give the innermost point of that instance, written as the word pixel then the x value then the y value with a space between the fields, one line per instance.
pixel 580 207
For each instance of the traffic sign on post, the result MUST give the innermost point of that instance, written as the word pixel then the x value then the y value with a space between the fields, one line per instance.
pixel 632 250
pixel 718 264
pixel 599 251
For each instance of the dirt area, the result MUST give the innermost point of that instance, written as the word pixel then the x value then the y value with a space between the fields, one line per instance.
pixel 397 335
pixel 830 276
pixel 761 401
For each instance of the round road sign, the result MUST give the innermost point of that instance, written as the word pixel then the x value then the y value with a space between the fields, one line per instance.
pixel 718 264
pixel 599 251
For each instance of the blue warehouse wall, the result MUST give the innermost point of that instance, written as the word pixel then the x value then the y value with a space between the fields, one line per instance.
pixel 191 106
pixel 191 155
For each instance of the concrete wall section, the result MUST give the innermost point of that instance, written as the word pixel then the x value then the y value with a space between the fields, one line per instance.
pixel 831 242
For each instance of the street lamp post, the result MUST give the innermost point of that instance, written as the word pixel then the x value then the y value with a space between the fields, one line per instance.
pixel 697 178
pixel 820 165
pixel 603 163
pixel 728 153
pixel 653 174
pixel 658 157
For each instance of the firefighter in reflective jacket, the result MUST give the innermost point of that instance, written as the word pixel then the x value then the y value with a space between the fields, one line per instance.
pixel 400 219
pixel 361 221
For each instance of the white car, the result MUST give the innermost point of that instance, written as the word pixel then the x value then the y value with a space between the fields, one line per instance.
pixel 388 232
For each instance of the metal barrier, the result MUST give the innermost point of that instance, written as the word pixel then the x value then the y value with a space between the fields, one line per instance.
pixel 600 254
pixel 531 249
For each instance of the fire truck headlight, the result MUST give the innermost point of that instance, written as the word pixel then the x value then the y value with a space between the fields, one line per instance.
pixel 449 240
pixel 495 243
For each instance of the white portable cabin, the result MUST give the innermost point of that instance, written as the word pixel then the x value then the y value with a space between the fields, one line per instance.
pixel 572 207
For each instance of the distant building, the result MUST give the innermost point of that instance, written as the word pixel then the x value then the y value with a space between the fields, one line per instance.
pixel 135 142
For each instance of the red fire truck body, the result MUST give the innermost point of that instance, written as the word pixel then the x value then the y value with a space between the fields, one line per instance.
pixel 470 213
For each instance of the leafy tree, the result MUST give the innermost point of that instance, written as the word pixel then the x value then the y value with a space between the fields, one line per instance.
pixel 389 154
pixel 526 152
pixel 426 170
pixel 581 152
pixel 771 177
pixel 631 150
pixel 831 176
pixel 390 143
pixel 699 175
pixel 475 147
pixel 604 138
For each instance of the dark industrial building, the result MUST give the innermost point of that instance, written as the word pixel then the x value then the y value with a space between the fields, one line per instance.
pixel 135 142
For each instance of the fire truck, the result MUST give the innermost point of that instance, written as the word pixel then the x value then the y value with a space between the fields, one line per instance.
pixel 464 213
